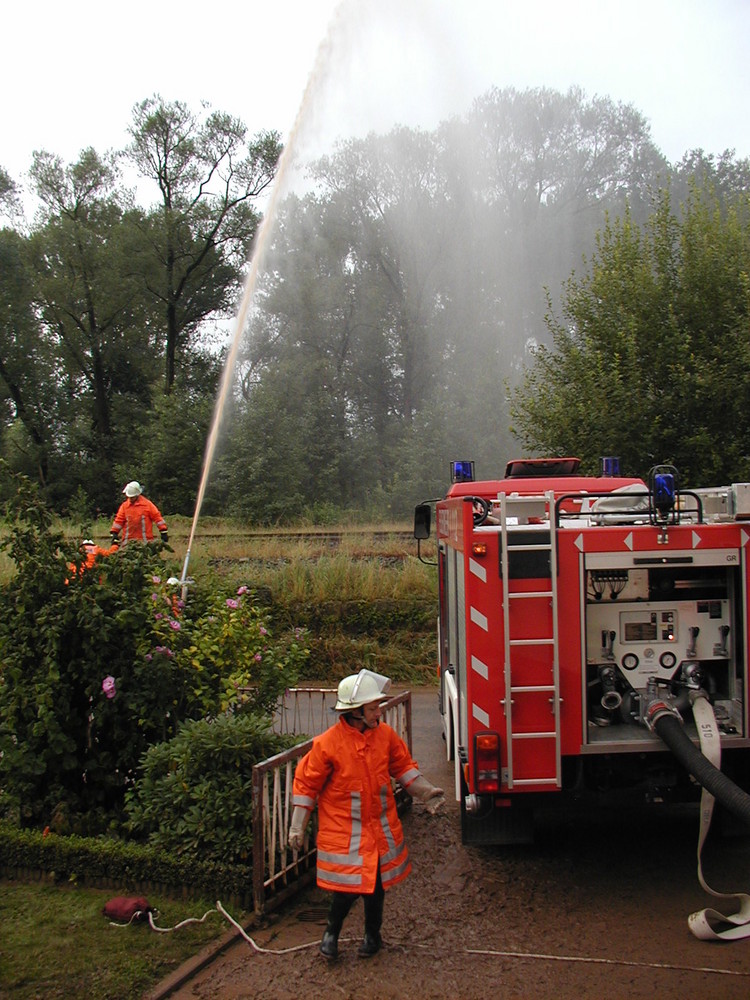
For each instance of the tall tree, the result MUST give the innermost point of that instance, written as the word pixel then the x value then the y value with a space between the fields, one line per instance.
pixel 91 304
pixel 209 177
pixel 414 278
pixel 27 370
pixel 389 191
pixel 549 165
pixel 651 353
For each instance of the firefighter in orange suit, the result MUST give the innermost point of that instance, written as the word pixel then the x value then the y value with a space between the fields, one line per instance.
pixel 360 845
pixel 136 518
pixel 93 552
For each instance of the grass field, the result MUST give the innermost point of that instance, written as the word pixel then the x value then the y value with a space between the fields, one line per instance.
pixel 56 944
pixel 344 562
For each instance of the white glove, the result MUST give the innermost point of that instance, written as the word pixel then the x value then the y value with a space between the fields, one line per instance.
pixel 428 794
pixel 297 828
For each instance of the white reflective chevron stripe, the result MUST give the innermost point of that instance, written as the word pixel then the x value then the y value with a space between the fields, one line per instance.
pixel 480 715
pixel 478 570
pixel 481 668
pixel 478 618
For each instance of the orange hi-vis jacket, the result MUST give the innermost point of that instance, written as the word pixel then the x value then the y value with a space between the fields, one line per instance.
pixel 349 774
pixel 93 552
pixel 135 519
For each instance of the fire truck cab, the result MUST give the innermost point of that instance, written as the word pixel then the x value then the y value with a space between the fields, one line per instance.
pixel 571 606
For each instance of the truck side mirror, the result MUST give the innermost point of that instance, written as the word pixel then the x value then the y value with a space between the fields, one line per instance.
pixel 422 514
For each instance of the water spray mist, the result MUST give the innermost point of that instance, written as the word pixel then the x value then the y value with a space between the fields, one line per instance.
pixel 261 245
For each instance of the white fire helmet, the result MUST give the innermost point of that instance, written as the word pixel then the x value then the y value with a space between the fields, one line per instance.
pixel 133 489
pixel 361 689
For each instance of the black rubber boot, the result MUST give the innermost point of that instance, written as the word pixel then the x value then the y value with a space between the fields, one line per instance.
pixel 372 941
pixel 371 944
pixel 341 903
pixel 329 945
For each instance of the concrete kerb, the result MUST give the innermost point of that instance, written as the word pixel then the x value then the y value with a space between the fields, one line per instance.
pixel 192 966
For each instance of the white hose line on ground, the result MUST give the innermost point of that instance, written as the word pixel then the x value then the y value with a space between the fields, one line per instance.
pixel 607 961
pixel 257 947
pixel 139 915
pixel 538 956
pixel 182 923
pixel 710 924
pixel 523 955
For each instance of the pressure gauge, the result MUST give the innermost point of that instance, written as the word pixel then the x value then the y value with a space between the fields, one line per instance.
pixel 629 661
pixel 668 659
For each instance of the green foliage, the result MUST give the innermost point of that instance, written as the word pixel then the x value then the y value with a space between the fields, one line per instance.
pixel 30 421
pixel 198 238
pixel 170 440
pixel 224 649
pixel 194 799
pixel 397 298
pixel 80 258
pixel 651 357
pixel 68 750
pixel 77 860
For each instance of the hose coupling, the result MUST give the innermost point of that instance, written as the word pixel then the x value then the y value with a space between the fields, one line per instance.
pixel 472 803
pixel 656 710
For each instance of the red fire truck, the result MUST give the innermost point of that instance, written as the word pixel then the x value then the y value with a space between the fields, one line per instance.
pixel 579 619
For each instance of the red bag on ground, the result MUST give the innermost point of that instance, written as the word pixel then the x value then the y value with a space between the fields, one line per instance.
pixel 125 909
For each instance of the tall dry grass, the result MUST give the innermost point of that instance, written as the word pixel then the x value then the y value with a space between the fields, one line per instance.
pixel 297 564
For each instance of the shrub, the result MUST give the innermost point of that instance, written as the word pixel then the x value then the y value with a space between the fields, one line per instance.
pixel 89 860
pixel 67 750
pixel 194 798
pixel 224 647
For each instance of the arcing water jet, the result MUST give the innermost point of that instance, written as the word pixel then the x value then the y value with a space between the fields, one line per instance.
pixel 256 261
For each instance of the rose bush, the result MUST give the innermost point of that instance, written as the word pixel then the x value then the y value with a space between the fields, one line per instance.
pixel 71 744
pixel 224 648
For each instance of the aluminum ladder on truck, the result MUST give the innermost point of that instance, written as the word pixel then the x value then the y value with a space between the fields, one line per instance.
pixel 533 750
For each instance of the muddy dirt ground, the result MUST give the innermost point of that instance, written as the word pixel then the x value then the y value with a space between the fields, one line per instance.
pixel 597 907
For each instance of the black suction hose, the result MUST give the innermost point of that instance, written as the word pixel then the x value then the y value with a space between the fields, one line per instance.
pixel 670 729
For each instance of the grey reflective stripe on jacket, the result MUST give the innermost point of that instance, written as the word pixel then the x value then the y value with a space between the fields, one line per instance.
pixel 353 857
pixel 393 873
pixel 394 849
pixel 408 776
pixel 303 800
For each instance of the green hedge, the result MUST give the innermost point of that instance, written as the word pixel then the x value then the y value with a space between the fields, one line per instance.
pixel 365 617
pixel 125 867
pixel 396 638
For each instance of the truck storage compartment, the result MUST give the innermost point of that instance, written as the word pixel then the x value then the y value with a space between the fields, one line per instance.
pixel 664 626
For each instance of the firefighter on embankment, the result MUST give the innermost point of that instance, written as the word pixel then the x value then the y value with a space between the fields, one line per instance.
pixel 360 844
pixel 136 518
pixel 91 552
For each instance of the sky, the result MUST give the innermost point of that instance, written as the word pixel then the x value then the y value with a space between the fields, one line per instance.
pixel 322 69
